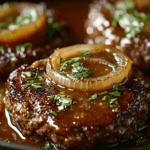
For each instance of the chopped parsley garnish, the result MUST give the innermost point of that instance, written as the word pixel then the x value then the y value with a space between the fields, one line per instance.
pixel 94 96
pixel 105 97
pixel 132 23
pixel 112 101
pixel 47 89
pixel 53 27
pixel 22 47
pixel 39 77
pixel 36 85
pixel 116 109
pixel 32 82
pixel 3 26
pixel 140 142
pixel 43 106
pixel 24 18
pixel 123 80
pixel 6 5
pixel 102 93
pixel 128 4
pixel 47 145
pixel 115 86
pixel 1 48
pixel 7 141
pixel 27 74
pixel 26 85
pixel 85 53
pixel 114 67
pixel 78 70
pixel 110 7
pixel 62 102
pixel 115 93
pixel 53 113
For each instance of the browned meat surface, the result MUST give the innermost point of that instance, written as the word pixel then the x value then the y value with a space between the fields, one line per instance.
pixel 139 51
pixel 81 125
pixel 99 29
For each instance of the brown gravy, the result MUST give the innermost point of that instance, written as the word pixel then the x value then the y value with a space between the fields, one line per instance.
pixel 75 13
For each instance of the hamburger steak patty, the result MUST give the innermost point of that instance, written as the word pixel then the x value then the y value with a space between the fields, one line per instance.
pixel 84 124
pixel 99 29
pixel 12 57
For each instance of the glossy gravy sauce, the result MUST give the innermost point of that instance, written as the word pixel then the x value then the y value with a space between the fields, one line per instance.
pixel 71 15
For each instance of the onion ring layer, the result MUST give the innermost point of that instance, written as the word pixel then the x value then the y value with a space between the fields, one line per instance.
pixel 31 32
pixel 99 83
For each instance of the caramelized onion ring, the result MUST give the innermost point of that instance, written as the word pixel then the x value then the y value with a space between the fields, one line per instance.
pixel 99 83
pixel 34 32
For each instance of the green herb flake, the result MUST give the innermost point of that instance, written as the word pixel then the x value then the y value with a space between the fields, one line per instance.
pixel 7 141
pixel 112 105
pixel 1 48
pixel 78 71
pixel 27 74
pixel 53 27
pixel 110 7
pixel 94 96
pixel 112 100
pixel 61 61
pixel 6 5
pixel 85 53
pixel 36 85
pixel 63 101
pixel 140 142
pixel 47 89
pixel 105 97
pixel 131 23
pixel 53 113
pixel 102 93
pixel 116 109
pixel 24 18
pixel 39 77
pixel 26 85
pixel 47 145
pixel 114 67
pixel 115 86
pixel 127 5
pixel 115 93
pixel 51 97
pixel 123 80
pixel 21 47
pixel 43 106
pixel 31 81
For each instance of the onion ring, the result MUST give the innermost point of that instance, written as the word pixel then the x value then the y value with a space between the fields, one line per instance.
pixel 31 32
pixel 98 83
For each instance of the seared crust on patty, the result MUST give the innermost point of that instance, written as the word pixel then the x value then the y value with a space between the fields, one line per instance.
pixel 25 108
